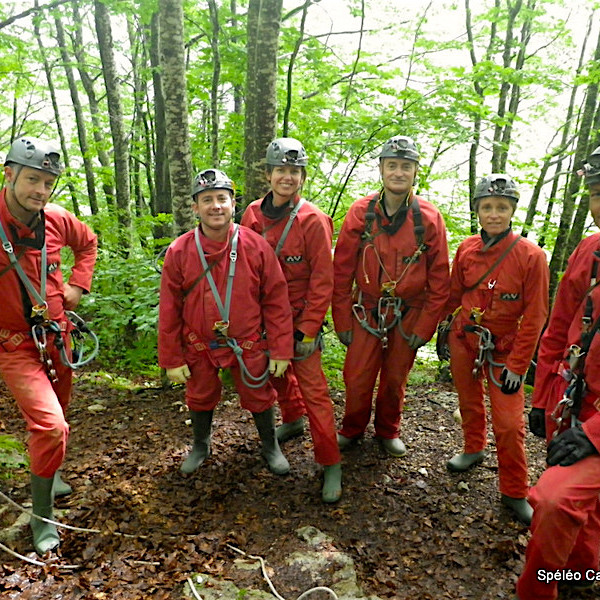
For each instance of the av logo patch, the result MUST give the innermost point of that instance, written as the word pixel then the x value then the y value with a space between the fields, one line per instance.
pixel 52 267
pixel 293 259
pixel 511 297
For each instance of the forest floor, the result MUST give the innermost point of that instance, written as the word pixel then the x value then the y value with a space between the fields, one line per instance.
pixel 414 531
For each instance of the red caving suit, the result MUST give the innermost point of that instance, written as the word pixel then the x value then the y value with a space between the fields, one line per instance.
pixel 43 404
pixel 423 286
pixel 514 298
pixel 566 500
pixel 188 311
pixel 308 268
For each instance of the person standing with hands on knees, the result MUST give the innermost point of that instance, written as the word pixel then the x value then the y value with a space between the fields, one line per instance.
pixel 499 295
pixel 565 531
pixel 301 236
pixel 35 298
pixel 221 288
pixel 391 281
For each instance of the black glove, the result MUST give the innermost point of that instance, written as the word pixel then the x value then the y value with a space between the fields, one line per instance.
pixel 441 341
pixel 511 382
pixel 569 447
pixel 537 422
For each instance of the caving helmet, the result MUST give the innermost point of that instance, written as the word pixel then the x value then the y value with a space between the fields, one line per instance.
pixel 496 184
pixel 400 146
pixel 286 151
pixel 211 179
pixel 34 153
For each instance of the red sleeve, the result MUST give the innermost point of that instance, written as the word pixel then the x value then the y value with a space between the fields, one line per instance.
pixel 592 429
pixel 318 235
pixel 345 259
pixel 457 286
pixel 438 278
pixel 535 313
pixel 170 313
pixel 571 292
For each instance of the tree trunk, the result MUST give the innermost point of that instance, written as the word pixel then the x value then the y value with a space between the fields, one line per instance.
pixel 214 88
pixel 106 174
pixel 117 127
pixel 90 178
pixel 172 58
pixel 264 19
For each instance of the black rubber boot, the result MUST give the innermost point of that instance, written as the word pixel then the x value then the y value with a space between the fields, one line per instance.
pixel 45 535
pixel 201 425
pixel 265 423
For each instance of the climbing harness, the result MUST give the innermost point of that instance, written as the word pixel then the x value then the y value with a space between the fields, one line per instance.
pixel 388 304
pixel 221 327
pixel 42 325
pixel 291 218
pixel 485 351
pixel 566 412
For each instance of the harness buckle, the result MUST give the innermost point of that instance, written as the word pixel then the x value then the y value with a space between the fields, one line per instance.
pixel 233 256
pixel 221 328
pixel 388 289
pixel 574 355
pixel 8 247
pixel 40 312
pixel 476 315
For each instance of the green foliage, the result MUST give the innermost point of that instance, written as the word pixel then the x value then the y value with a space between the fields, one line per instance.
pixel 12 454
pixel 333 361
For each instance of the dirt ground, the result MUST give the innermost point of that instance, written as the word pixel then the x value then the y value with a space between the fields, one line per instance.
pixel 415 531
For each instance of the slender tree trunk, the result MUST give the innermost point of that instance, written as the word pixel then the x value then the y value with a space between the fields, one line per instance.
pixel 117 126
pixel 238 103
pixel 172 58
pixel 90 178
pixel 61 135
pixel 106 173
pixel 214 88
pixel 264 20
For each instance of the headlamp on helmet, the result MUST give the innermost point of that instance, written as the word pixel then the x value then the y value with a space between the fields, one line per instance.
pixel 286 151
pixel 400 146
pixel 591 170
pixel 34 153
pixel 496 184
pixel 211 179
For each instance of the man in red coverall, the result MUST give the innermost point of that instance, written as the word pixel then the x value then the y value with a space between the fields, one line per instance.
pixel 565 531
pixel 499 285
pixel 221 288
pixel 301 236
pixel 391 281
pixel 34 294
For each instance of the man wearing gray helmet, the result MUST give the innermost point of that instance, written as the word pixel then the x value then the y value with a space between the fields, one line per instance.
pixel 499 290
pixel 33 232
pixel 391 282
pixel 565 531
pixel 221 288
pixel 301 236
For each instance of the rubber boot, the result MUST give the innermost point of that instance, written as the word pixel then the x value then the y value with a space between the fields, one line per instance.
pixel 520 508
pixel 45 535
pixel 265 423
pixel 332 483
pixel 344 442
pixel 201 425
pixel 463 462
pixel 287 431
pixel 60 487
pixel 394 447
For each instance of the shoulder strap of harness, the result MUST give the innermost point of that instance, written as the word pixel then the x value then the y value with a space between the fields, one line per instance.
pixel 288 226
pixel 496 263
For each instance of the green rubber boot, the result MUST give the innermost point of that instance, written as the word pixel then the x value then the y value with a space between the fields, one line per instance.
pixel 201 425
pixel 287 431
pixel 332 483
pixel 265 423
pixel 394 447
pixel 45 535
pixel 520 508
pixel 60 487
pixel 463 462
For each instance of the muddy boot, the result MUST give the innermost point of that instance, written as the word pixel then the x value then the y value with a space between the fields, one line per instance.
pixel 265 423
pixel 201 424
pixel 394 447
pixel 287 431
pixel 463 462
pixel 332 483
pixel 520 508
pixel 60 487
pixel 45 535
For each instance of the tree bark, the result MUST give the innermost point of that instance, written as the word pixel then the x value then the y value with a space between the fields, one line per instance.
pixel 117 126
pixel 172 58
pixel 264 20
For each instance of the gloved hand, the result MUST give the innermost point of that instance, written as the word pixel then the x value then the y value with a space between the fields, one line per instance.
pixel 277 367
pixel 345 337
pixel 179 374
pixel 569 447
pixel 415 341
pixel 304 346
pixel 537 422
pixel 442 347
pixel 511 382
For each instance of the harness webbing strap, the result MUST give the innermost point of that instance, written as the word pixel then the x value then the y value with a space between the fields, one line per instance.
pixel 292 216
pixel 371 215
pixel 496 264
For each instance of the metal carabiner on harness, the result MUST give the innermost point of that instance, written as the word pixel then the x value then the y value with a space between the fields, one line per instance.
pixel 40 339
